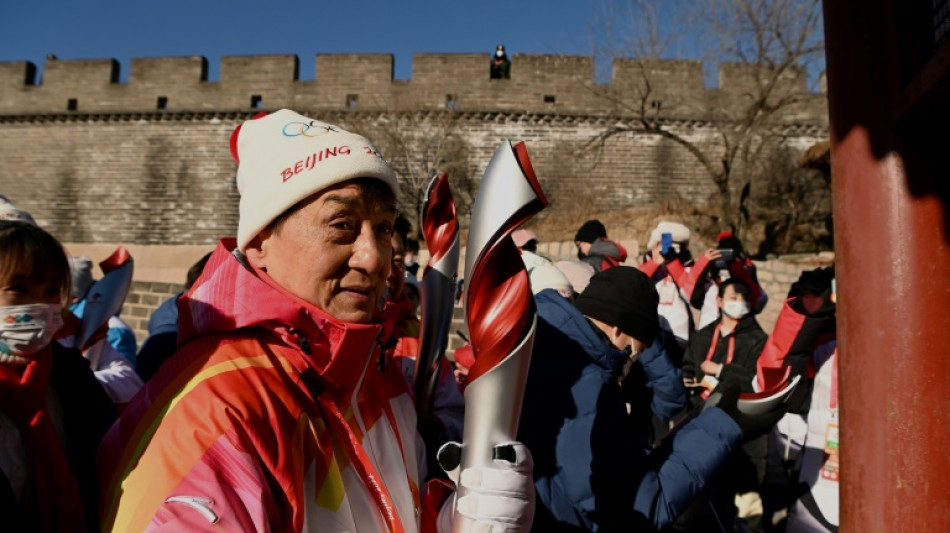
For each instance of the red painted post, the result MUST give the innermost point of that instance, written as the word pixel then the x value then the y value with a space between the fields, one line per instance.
pixel 892 211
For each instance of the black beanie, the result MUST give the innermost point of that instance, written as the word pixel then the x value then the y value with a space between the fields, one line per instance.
pixel 623 296
pixel 731 242
pixel 590 231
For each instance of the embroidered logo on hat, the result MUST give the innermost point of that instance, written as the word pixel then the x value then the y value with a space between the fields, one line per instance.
pixel 308 129
pixel 284 157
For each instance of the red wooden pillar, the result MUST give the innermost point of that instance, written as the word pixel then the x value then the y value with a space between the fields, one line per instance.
pixel 890 134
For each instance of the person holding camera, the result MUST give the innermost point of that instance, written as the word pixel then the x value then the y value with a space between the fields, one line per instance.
pixel 671 268
pixel 727 260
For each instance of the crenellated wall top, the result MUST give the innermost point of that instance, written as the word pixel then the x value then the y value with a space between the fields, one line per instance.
pixel 539 83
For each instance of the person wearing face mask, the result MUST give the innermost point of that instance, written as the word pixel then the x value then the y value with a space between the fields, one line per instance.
pixel 53 412
pixel 726 261
pixel 500 64
pixel 591 471
pixel 735 339
pixel 731 345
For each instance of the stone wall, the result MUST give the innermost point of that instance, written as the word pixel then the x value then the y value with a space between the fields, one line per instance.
pixel 144 297
pixel 775 274
pixel 147 162
pixel 538 84
pixel 169 179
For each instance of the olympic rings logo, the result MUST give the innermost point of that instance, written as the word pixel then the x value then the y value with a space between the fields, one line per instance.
pixel 307 129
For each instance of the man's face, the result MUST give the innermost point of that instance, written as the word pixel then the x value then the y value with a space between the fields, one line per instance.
pixel 334 251
pixel 583 248
pixel 397 272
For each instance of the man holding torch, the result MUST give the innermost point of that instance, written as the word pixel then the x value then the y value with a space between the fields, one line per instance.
pixel 279 412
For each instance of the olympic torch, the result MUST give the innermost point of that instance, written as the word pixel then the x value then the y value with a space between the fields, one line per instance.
pixel 103 300
pixel 499 306
pixel 441 230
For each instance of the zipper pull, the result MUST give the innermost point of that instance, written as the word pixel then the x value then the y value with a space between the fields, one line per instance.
pixel 202 505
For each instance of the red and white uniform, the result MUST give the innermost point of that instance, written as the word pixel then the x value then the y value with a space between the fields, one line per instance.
pixel 273 416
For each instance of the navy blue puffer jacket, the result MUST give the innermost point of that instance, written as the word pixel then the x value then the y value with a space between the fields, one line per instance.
pixel 590 473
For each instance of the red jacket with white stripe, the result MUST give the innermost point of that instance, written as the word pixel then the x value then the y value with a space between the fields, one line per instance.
pixel 272 416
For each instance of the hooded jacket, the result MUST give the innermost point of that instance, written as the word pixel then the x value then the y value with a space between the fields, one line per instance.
pixel 272 416
pixel 590 472
pixel 604 254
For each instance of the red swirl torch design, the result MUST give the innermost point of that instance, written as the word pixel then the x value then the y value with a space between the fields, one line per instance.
pixel 499 303
pixel 498 313
pixel 499 306
pixel 441 229
pixel 439 221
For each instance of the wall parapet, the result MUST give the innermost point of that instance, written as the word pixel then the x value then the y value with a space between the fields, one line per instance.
pixel 795 127
pixel 539 83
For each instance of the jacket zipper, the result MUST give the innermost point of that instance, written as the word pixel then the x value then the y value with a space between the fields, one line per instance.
pixel 202 505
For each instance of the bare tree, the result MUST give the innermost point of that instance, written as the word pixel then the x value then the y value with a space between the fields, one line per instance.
pixel 779 41
pixel 419 146
pixel 795 204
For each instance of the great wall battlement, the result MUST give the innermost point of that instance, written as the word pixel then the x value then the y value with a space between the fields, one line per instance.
pixel 539 84
pixel 145 163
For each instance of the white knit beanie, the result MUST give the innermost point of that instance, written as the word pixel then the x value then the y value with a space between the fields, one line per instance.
pixel 8 211
pixel 549 277
pixel 679 232
pixel 284 157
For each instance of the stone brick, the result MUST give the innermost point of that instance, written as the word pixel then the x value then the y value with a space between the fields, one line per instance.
pixel 161 288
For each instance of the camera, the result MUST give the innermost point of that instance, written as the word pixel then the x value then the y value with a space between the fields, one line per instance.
pixel 728 255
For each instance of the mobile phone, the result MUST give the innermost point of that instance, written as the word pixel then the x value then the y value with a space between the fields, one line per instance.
pixel 666 243
pixel 727 254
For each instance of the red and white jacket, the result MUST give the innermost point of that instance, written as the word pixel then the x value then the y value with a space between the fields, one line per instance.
pixel 272 416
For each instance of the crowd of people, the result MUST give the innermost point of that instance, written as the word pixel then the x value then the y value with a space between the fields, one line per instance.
pixel 275 392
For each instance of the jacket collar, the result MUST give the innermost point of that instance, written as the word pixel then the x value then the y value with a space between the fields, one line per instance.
pixel 230 295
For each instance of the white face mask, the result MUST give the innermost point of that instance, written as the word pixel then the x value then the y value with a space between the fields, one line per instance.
pixel 735 309
pixel 27 329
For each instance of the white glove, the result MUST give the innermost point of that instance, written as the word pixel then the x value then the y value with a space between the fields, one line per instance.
pixel 499 498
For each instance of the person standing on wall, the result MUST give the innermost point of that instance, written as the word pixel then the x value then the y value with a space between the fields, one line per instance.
pixel 500 64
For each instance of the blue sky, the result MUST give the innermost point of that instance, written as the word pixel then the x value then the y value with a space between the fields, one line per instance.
pixel 122 29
